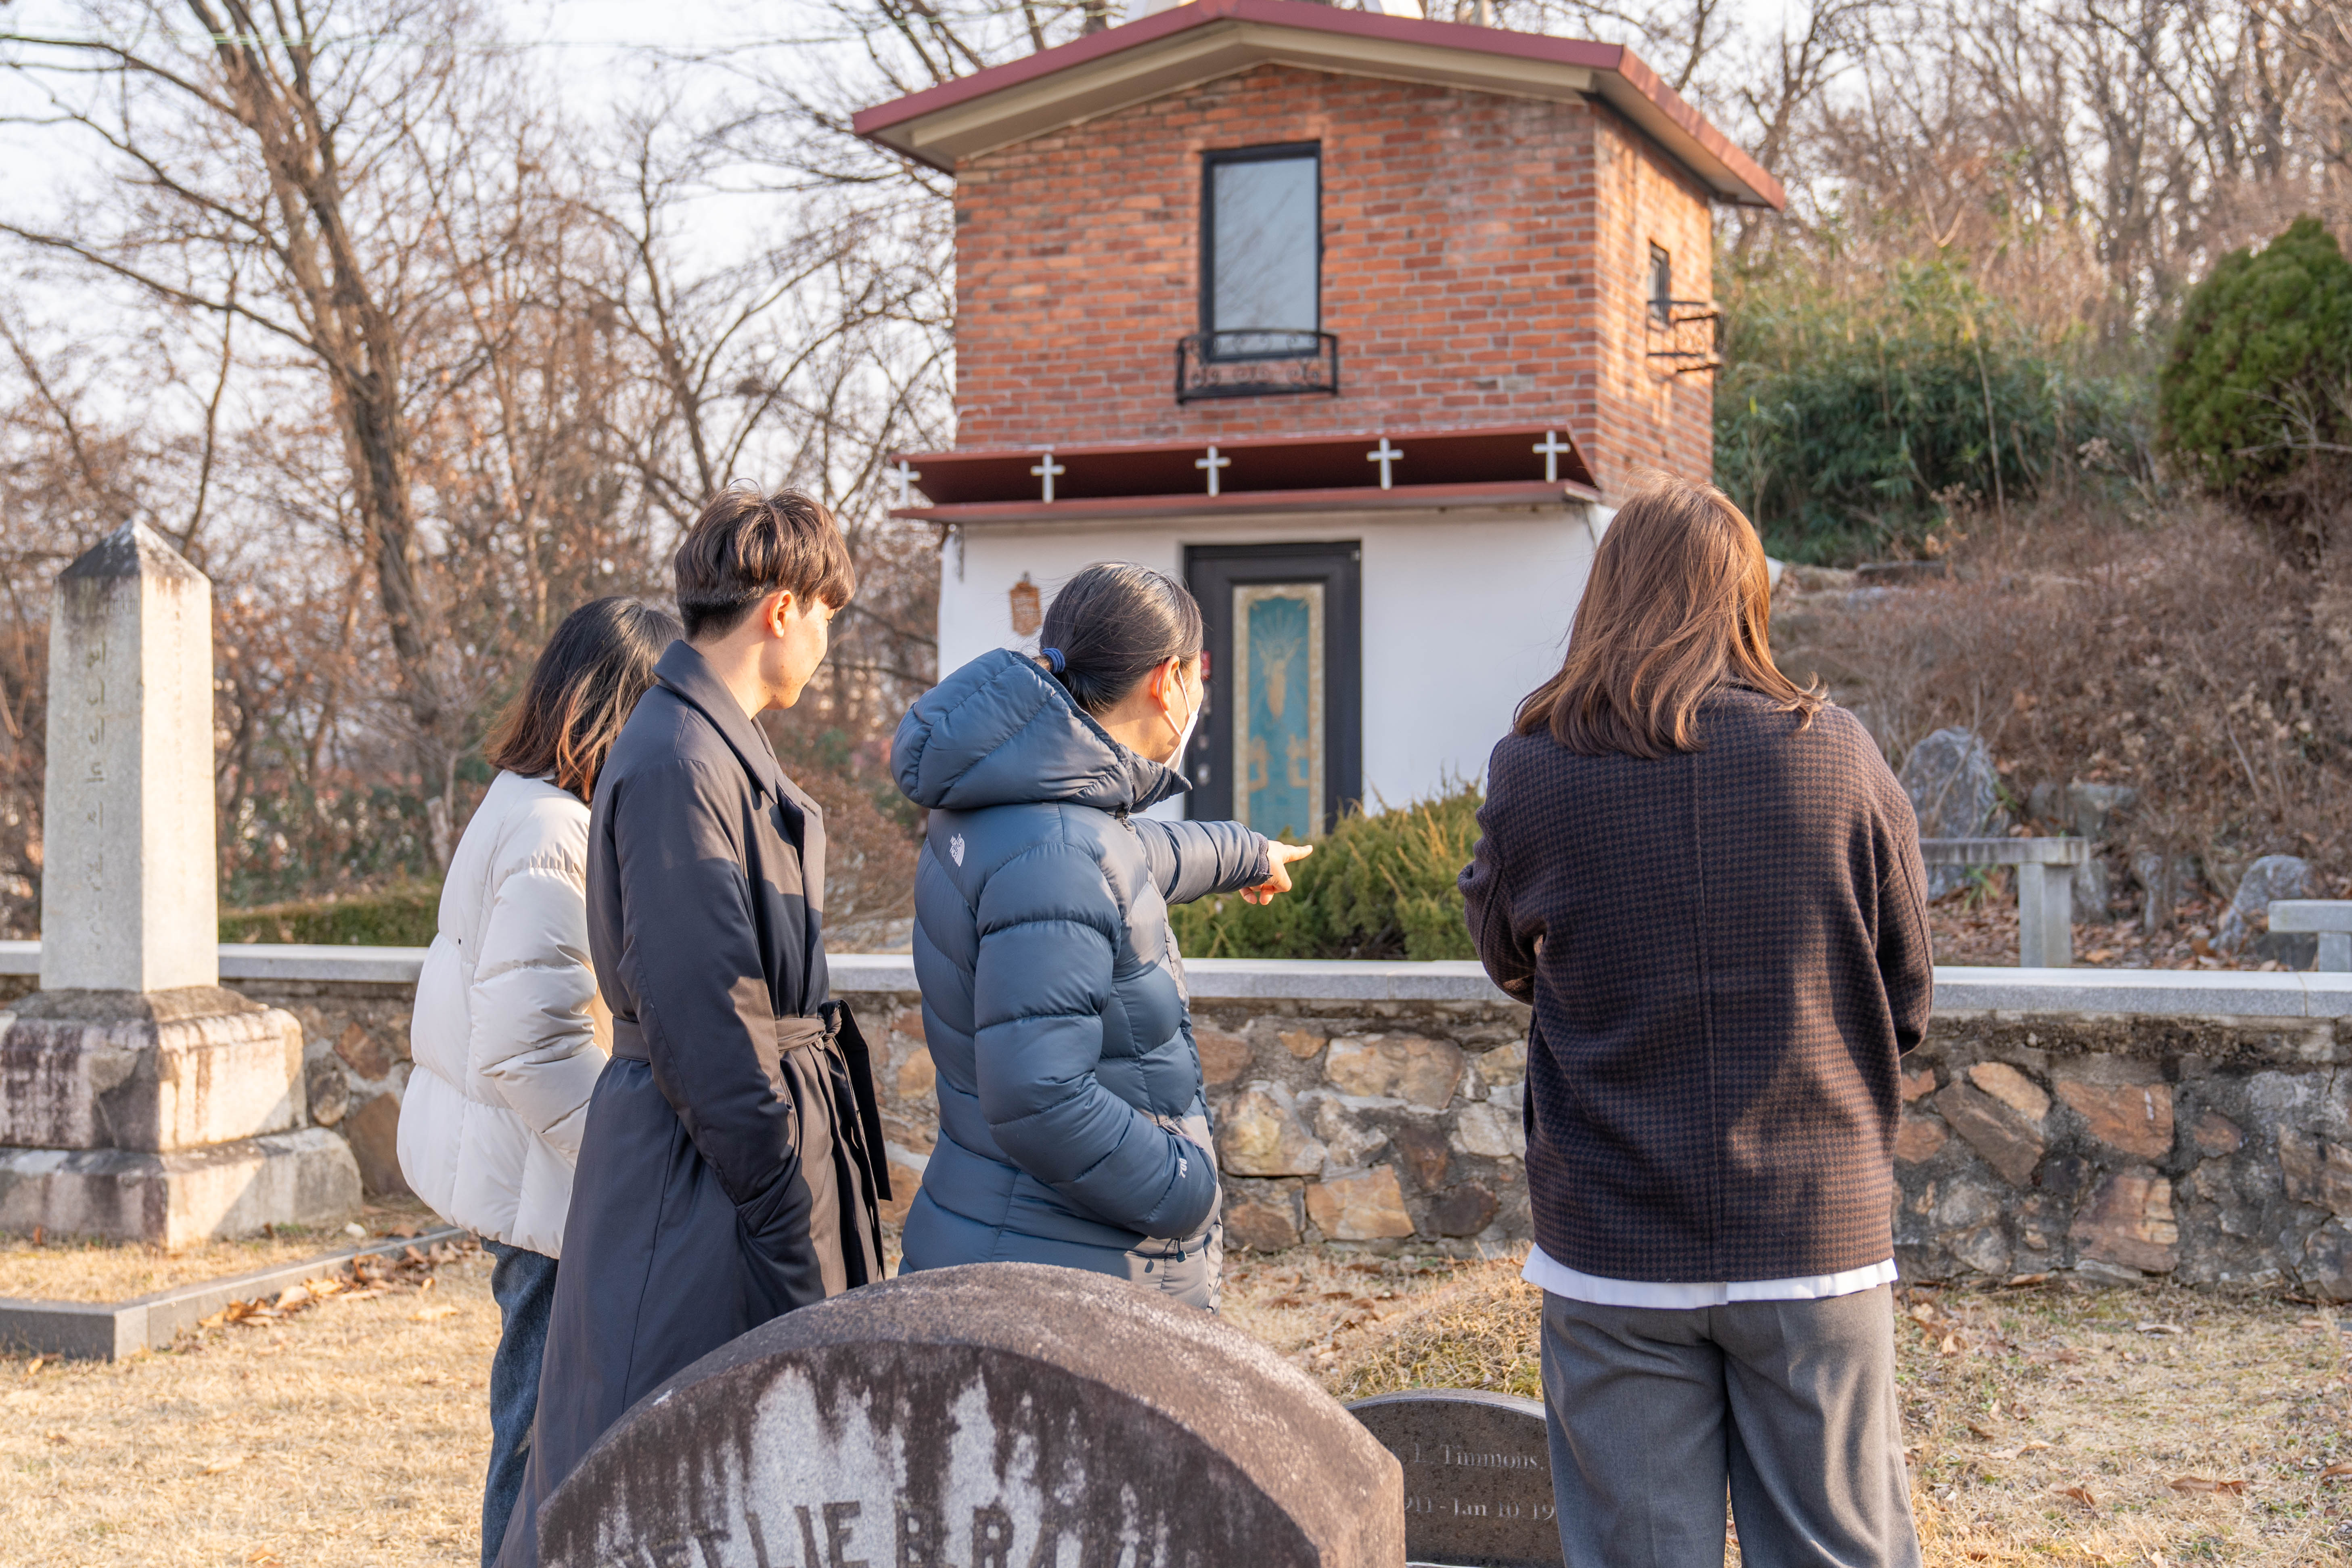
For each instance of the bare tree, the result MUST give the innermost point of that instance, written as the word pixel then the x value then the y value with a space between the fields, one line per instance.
pixel 287 168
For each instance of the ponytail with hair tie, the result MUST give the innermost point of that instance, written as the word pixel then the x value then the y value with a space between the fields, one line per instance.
pixel 1111 625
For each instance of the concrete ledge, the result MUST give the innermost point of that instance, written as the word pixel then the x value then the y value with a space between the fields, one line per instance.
pixel 1338 980
pixel 867 973
pixel 274 960
pixel 2161 993
pixel 110 1330
pixel 293 961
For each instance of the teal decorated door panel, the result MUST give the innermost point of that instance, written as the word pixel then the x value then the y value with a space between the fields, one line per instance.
pixel 1280 747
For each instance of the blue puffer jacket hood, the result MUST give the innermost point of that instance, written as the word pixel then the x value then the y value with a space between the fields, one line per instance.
pixel 1072 1127
pixel 1002 731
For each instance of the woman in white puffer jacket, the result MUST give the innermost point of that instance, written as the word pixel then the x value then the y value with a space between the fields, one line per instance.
pixel 505 1036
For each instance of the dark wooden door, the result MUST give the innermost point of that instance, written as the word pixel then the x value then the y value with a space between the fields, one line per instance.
pixel 1280 746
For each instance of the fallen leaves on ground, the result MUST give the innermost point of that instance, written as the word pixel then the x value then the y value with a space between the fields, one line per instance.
pixel 2205 1484
pixel 363 1279
pixel 1973 928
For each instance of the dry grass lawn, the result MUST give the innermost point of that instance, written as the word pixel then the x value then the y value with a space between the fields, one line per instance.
pixel 2162 1426
pixel 354 1433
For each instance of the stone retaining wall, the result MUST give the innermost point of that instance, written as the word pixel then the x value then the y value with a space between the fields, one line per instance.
pixel 2211 1150
pixel 2119 1125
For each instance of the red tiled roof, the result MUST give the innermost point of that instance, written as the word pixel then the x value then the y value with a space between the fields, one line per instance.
pixel 1203 40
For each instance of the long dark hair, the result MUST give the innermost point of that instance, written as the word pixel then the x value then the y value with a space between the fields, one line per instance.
pixel 1112 624
pixel 588 678
pixel 1679 602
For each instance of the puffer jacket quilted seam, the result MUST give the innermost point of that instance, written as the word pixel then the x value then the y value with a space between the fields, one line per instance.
pixel 1038 782
pixel 466 1145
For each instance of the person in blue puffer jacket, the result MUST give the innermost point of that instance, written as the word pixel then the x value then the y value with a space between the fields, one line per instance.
pixel 1073 1127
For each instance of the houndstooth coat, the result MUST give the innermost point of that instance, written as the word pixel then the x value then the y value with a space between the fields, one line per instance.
pixel 1726 952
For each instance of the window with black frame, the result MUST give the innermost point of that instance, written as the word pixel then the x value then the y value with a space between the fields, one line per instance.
pixel 1262 251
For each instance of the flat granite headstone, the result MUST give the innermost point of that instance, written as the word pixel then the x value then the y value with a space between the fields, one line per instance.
pixel 1477 1475
pixel 993 1416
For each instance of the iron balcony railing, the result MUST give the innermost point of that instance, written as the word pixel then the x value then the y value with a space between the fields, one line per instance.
pixel 1685 335
pixel 1256 362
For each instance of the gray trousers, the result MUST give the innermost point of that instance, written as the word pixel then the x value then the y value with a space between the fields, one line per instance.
pixel 1788 1407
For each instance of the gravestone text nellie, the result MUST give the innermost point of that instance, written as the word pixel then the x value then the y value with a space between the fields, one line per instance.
pixel 994 1416
pixel 1477 1476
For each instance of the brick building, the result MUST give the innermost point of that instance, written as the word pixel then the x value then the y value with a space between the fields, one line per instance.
pixel 1356 321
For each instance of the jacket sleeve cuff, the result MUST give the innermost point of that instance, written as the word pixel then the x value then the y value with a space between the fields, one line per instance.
pixel 1184 1209
pixel 1256 864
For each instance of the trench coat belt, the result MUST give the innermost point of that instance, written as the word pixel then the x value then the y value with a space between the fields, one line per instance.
pixel 835 1026
pixel 791 1034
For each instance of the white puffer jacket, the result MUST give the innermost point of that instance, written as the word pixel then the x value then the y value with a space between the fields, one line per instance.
pixel 504 1036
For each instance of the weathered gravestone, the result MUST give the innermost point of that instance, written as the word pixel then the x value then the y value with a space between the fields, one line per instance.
pixel 139 1100
pixel 1477 1475
pixel 994 1415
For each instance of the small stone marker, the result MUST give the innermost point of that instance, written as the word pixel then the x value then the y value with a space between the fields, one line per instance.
pixel 1477 1475
pixel 992 1416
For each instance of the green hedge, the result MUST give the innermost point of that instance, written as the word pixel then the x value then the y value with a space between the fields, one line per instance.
pixel 1377 887
pixel 398 917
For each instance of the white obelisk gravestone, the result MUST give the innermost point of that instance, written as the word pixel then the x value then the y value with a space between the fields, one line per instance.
pixel 139 1100
pixel 128 890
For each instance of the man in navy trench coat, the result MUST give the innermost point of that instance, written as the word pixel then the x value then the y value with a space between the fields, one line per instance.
pixel 730 1165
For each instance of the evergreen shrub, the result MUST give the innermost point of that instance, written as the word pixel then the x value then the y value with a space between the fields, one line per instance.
pixel 1376 887
pixel 2262 363
pixel 402 916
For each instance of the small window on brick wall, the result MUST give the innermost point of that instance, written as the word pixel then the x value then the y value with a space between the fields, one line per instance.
pixel 1662 285
pixel 1261 251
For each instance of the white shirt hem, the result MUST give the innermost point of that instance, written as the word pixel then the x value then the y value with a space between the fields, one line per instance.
pixel 1559 1279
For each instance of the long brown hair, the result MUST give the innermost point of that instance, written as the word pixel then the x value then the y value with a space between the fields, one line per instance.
pixel 588 678
pixel 1679 602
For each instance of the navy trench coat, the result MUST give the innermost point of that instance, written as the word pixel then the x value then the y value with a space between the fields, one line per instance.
pixel 729 1167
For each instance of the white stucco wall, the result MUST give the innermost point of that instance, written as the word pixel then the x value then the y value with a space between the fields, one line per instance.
pixel 1463 614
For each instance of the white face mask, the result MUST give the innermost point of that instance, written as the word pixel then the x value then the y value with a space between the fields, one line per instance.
pixel 1184 735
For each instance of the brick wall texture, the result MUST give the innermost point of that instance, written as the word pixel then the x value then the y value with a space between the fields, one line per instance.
pixel 1486 262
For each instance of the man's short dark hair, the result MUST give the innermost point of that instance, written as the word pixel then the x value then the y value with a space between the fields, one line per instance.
pixel 745 546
